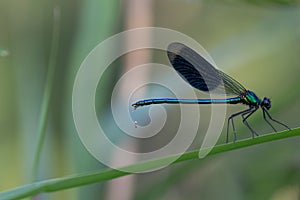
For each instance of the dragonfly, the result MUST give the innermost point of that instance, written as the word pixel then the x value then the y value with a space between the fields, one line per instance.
pixel 202 75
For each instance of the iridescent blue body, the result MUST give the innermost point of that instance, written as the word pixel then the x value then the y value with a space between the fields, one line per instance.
pixel 249 98
pixel 187 101
pixel 200 74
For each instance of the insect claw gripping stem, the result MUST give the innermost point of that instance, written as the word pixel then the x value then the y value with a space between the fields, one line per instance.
pixel 232 123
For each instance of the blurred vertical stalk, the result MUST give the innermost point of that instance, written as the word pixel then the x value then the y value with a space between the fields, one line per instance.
pixel 138 13
pixel 29 58
pixel 44 114
pixel 97 20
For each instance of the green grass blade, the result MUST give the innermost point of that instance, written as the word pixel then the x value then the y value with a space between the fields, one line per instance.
pixel 58 184
pixel 47 94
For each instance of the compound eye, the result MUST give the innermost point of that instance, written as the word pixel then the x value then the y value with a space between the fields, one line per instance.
pixel 267 103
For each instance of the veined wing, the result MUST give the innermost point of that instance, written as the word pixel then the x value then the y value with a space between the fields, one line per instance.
pixel 199 73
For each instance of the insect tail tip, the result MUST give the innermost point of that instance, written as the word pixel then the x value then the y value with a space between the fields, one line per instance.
pixel 135 106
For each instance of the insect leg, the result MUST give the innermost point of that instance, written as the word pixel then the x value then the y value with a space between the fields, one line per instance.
pixel 274 120
pixel 231 118
pixel 264 115
pixel 245 120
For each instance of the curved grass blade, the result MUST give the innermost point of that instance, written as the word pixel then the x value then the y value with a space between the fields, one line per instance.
pixel 58 184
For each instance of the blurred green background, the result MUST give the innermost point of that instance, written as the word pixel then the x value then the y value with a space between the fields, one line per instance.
pixel 257 42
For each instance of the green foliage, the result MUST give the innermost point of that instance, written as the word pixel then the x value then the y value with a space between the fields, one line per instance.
pixel 255 41
pixel 58 184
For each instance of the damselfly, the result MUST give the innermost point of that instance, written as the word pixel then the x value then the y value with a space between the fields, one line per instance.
pixel 200 74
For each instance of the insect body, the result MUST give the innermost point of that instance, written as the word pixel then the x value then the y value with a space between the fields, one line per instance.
pixel 200 74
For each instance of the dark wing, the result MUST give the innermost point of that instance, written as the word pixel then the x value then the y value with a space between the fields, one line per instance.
pixel 199 73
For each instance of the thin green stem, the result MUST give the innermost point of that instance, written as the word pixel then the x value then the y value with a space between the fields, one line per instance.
pixel 58 184
pixel 47 93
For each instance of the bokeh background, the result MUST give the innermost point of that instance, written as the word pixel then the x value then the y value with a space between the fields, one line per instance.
pixel 256 42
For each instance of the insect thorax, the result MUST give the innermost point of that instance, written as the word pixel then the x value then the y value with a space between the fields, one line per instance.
pixel 250 98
